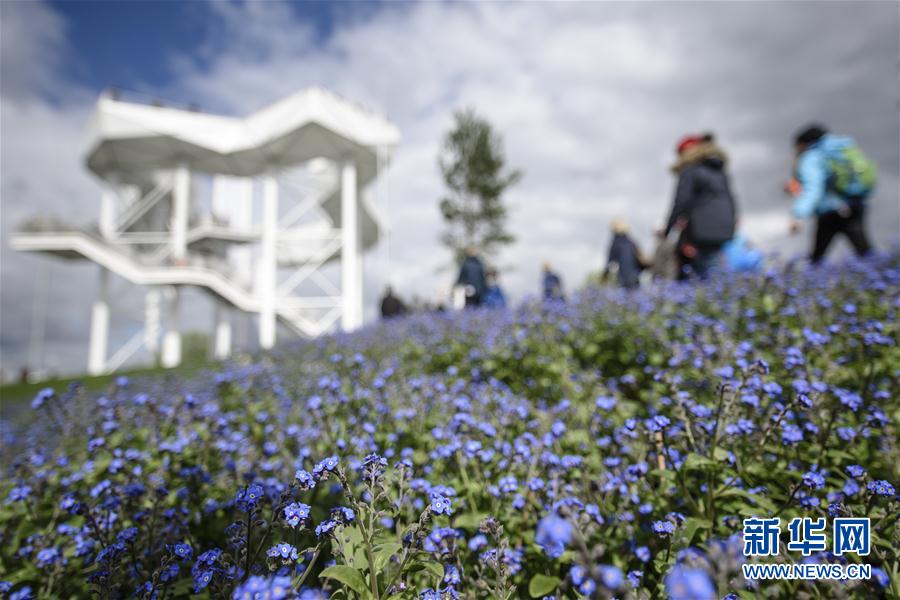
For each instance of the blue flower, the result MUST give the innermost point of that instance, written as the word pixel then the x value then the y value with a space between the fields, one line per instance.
pixel 49 557
pixel 606 403
pixel 325 527
pixel 440 505
pixel 577 574
pixel 634 578
pixel 20 493
pixel 202 579
pixel 588 587
pixel 248 499
pixel 553 534
pixel 642 553
pixel 663 528
pixel 129 534
pixel 856 471
pixel 284 551
pixel 305 479
pixel 658 423
pixel 452 575
pixel 814 480
pixel 183 551
pixel 23 593
pixel 342 514
pixel 683 583
pixel 325 466
pixel 881 488
pixel 269 588
pixel 374 465
pixel 42 397
pixel 477 542
pixel 791 434
pixel 296 513
pixel 611 577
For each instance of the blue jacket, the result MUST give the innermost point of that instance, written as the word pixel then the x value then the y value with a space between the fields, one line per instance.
pixel 494 298
pixel 812 173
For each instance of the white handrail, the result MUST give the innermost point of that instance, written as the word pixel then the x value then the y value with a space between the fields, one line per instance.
pixel 125 352
pixel 125 266
pixel 140 208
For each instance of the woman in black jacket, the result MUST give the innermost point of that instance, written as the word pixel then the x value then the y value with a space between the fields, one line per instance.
pixel 704 208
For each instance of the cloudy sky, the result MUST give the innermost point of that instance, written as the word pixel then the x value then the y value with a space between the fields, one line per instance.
pixel 589 97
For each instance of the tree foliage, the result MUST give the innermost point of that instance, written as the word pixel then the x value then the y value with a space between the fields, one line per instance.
pixel 474 169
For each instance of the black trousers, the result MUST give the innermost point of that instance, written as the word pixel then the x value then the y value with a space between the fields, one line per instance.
pixel 833 223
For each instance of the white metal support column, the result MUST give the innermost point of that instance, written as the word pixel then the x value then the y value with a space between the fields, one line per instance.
pixel 107 222
pixel 99 327
pixel 171 349
pixel 181 191
pixel 268 263
pixel 222 345
pixel 151 322
pixel 351 269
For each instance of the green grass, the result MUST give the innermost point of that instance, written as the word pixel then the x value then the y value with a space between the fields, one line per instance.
pixel 16 396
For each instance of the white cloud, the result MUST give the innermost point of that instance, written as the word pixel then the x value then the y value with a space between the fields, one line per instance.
pixel 590 98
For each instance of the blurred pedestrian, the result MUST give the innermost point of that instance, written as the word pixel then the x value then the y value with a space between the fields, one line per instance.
pixel 493 295
pixel 472 278
pixel 703 204
pixel 391 305
pixel 553 288
pixel 833 180
pixel 624 257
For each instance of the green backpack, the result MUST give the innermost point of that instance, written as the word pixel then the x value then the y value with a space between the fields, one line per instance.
pixel 850 173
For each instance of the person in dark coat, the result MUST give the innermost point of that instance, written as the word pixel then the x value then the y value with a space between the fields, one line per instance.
pixel 391 305
pixel 704 206
pixel 624 257
pixel 553 289
pixel 472 278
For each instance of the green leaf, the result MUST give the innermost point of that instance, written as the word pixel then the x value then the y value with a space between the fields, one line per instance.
pixel 435 568
pixel 720 454
pixel 664 474
pixel 469 520
pixel 697 462
pixel 692 525
pixel 384 552
pixel 541 585
pixel 760 501
pixel 349 576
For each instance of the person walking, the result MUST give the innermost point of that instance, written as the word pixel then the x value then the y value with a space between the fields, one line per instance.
pixel 552 283
pixel 832 182
pixel 472 278
pixel 704 207
pixel 624 257
pixel 493 295
pixel 391 305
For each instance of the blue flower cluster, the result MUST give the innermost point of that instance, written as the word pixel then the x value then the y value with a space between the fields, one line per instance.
pixel 609 446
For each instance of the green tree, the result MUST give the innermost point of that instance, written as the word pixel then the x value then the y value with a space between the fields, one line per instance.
pixel 474 169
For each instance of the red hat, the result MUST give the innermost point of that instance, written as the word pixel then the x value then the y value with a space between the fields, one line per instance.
pixel 687 142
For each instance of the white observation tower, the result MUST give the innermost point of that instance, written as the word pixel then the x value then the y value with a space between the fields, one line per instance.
pixel 250 210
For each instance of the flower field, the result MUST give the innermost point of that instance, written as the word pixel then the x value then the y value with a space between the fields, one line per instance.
pixel 607 447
